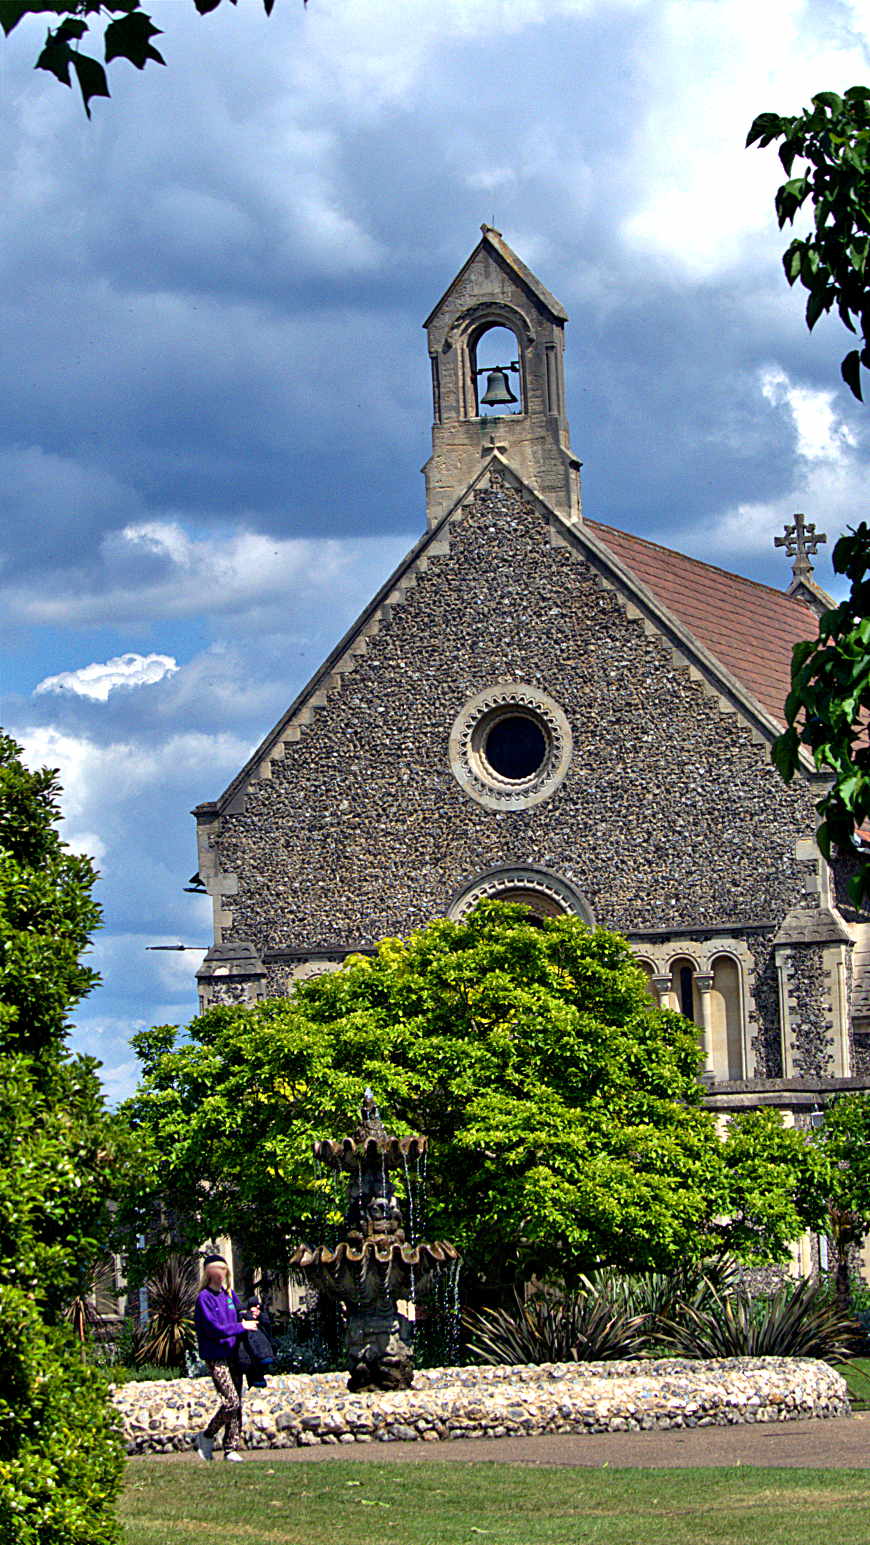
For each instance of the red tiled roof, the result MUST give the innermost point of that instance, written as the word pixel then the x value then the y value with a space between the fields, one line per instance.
pixel 749 628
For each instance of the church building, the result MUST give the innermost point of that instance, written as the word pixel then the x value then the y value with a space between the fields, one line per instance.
pixel 541 708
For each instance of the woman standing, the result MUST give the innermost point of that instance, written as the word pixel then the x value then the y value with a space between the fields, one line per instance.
pixel 219 1325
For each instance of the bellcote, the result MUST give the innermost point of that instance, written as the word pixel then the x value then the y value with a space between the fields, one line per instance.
pixel 496 304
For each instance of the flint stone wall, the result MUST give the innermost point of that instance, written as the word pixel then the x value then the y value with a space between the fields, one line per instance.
pixel 307 1409
pixel 670 816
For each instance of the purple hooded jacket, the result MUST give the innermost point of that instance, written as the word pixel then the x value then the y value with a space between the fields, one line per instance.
pixel 217 1317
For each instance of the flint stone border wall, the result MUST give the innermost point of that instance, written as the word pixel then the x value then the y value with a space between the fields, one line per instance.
pixel 484 1402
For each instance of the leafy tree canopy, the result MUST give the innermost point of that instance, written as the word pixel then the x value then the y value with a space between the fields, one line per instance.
pixel 127 33
pixel 831 143
pixel 827 709
pixel 844 1144
pixel 562 1107
pixel 58 1147
pixel 60 1458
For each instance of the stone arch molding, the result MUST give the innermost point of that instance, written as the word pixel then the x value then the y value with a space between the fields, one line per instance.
pixel 469 766
pixel 492 886
pixel 490 313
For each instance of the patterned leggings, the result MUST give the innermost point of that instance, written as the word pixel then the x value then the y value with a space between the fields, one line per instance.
pixel 229 1413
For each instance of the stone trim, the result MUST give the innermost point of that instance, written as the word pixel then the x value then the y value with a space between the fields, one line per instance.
pixel 469 767
pixel 525 877
pixel 231 974
pixel 813 1008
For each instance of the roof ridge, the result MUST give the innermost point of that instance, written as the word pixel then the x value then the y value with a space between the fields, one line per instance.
pixel 715 568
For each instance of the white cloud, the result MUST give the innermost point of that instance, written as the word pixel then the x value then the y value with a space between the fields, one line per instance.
pixel 156 568
pixel 99 780
pixel 820 435
pixel 712 66
pixel 98 680
pixel 829 475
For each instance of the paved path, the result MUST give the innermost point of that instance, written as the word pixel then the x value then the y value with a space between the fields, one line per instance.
pixel 838 1443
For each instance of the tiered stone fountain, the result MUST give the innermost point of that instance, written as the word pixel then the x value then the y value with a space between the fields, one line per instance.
pixel 374 1268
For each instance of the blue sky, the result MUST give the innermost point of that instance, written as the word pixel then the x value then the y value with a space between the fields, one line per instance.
pixel 217 390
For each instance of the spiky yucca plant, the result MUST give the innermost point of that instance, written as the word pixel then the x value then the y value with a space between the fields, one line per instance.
pixel 655 1295
pixel 171 1299
pixel 580 1327
pixel 87 1312
pixel 798 1321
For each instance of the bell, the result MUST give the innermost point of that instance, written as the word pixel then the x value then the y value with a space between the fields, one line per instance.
pixel 497 390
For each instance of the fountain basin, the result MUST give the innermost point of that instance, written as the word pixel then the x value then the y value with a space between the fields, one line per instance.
pixel 300 1410
pixel 346 1271
pixel 350 1154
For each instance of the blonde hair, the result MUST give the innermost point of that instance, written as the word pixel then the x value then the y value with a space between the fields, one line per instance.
pixel 223 1266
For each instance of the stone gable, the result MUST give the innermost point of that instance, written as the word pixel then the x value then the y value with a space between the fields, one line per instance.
pixel 669 817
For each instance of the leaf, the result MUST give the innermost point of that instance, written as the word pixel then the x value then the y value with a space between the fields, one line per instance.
pixel 11 13
pixel 204 6
pixel 792 259
pixel 91 78
pixel 55 58
pixel 850 370
pixel 130 38
pixel 784 754
pixel 829 99
pixel 817 305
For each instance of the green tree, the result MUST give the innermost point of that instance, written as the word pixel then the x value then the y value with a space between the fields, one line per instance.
pixel 60 1455
pixel 55 1136
pixel 127 33
pixel 826 709
pixel 844 1146
pixel 831 141
pixel 58 1153
pixel 562 1107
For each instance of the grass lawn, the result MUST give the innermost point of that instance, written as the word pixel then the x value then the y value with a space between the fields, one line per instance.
pixel 857 1376
pixel 345 1503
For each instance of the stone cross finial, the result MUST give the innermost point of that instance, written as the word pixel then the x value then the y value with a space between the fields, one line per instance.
pixel 801 541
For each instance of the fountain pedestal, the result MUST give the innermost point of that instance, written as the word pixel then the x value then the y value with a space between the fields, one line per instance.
pixel 374 1268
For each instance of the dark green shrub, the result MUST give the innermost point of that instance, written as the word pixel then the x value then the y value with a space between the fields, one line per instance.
pixel 60 1452
pixel 795 1321
pixel 580 1327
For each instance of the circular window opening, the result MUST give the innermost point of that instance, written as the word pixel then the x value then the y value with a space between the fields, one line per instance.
pixel 515 747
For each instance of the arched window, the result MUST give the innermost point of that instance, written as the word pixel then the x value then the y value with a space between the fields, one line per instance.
pixel 726 1019
pixel 685 993
pixel 649 971
pixel 496 371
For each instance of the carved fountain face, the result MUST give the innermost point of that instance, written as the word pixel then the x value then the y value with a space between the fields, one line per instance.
pixel 382 1216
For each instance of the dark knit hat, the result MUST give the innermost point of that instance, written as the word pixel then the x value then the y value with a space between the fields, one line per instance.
pixel 211 1259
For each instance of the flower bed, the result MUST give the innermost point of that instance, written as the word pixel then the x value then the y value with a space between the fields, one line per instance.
pixel 492 1402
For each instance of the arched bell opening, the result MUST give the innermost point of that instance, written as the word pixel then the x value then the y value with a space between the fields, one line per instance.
pixel 495 360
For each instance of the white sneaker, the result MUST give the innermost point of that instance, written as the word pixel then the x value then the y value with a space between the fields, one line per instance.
pixel 204 1446
pixel 233 1457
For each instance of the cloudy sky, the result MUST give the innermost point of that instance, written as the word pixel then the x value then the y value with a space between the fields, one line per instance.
pixel 216 390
